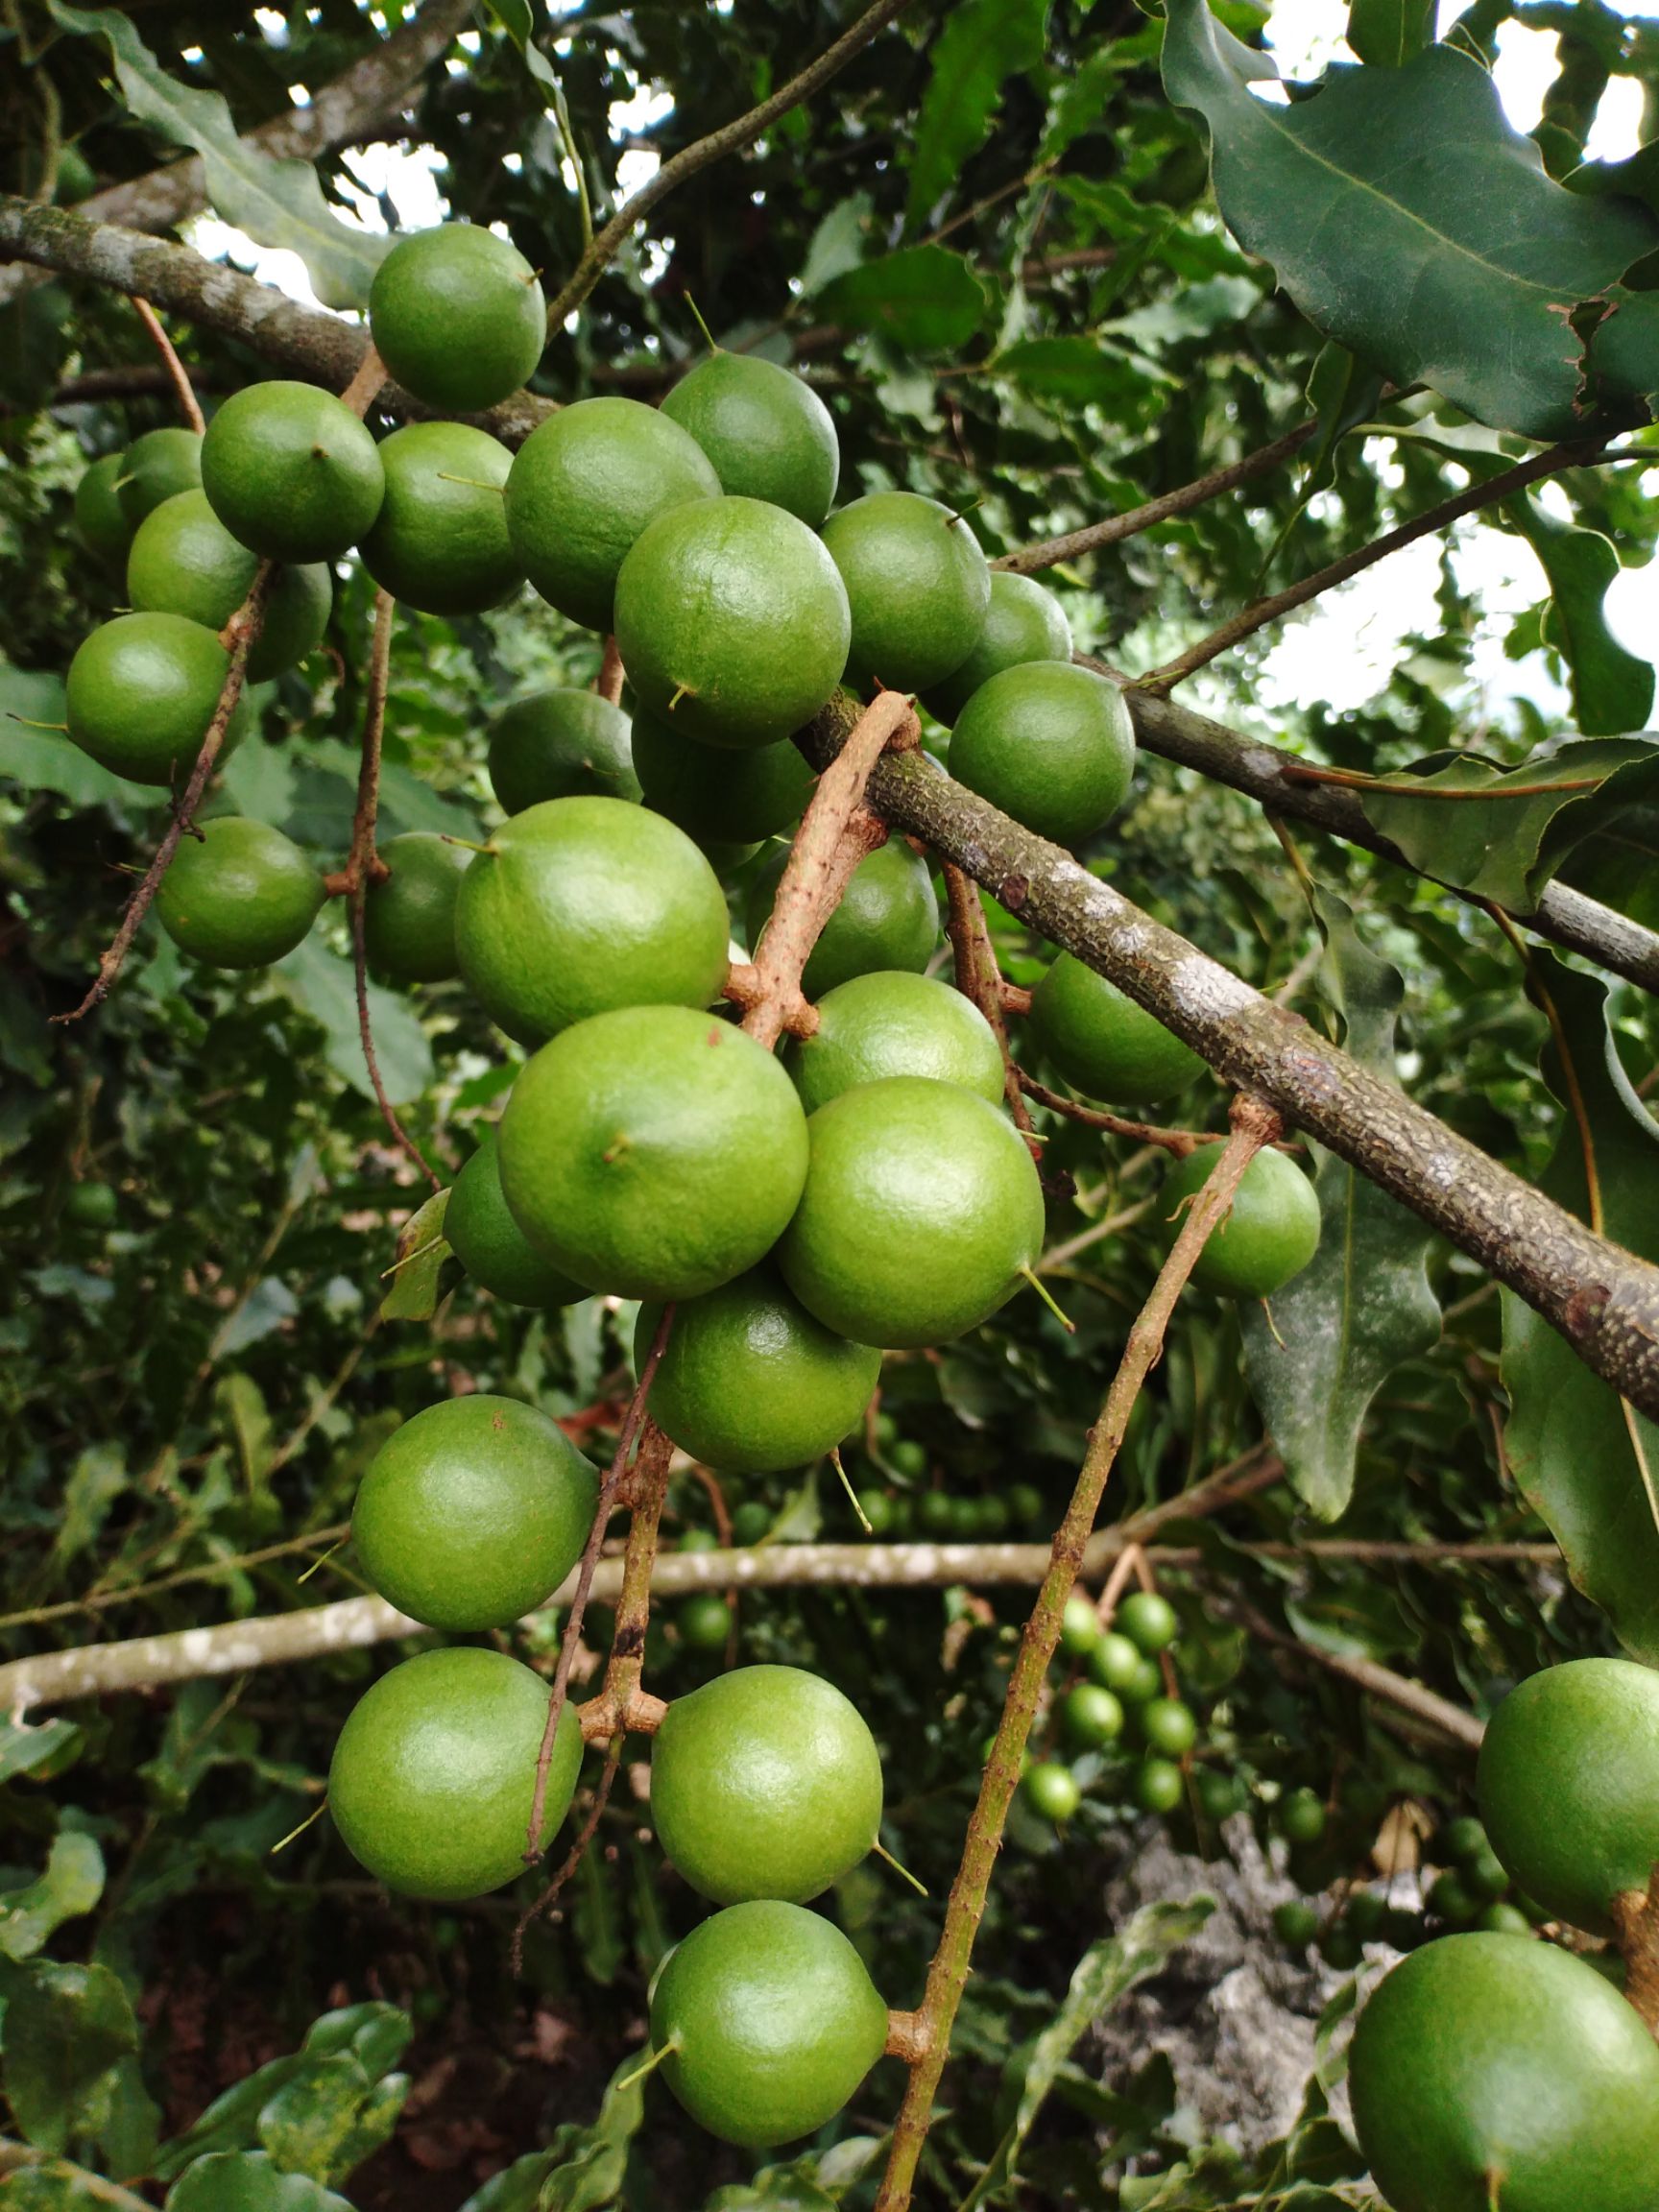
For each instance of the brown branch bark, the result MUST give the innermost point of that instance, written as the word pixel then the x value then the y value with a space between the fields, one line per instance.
pixel 240 634
pixel 1604 1301
pixel 979 978
pixel 1636 1921
pixel 612 673
pixel 360 100
pixel 1261 772
pixel 731 138
pixel 303 342
pixel 1572 453
pixel 1253 1125
pixel 183 391
pixel 1047 554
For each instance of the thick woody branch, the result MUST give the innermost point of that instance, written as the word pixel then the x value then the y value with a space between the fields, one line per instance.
pixel 360 100
pixel 731 138
pixel 1603 1300
pixel 1261 772
pixel 353 1623
pixel 303 342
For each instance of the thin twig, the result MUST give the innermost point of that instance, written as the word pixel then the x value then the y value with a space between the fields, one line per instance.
pixel 99 1601
pixel 731 138
pixel 1636 1920
pixel 1052 552
pixel 239 634
pixel 979 979
pixel 1488 491
pixel 1179 1142
pixel 363 868
pixel 608 681
pixel 1254 1124
pixel 367 379
pixel 190 406
pixel 1413 788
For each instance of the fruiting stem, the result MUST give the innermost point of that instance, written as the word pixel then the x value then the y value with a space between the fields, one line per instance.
pixel 979 979
pixel 321 1561
pixel 906 2038
pixel 608 681
pixel 1048 1299
pixel 1254 1124
pixel 1636 1919
pixel 899 1868
pixel 238 637
pixel 1178 1142
pixel 190 406
pixel 359 394
pixel 853 1501
pixel 294 1833
pixel 651 2064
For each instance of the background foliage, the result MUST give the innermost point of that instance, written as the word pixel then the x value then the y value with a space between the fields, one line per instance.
pixel 992 247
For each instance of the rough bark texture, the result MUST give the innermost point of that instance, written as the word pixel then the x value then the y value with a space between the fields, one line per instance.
pixel 303 342
pixel 1261 772
pixel 359 101
pixel 1602 1299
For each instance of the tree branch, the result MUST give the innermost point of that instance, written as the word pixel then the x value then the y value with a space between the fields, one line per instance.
pixel 731 138
pixel 1253 1125
pixel 183 391
pixel 358 102
pixel 1487 492
pixel 305 342
pixel 1261 772
pixel 1053 550
pixel 1602 1300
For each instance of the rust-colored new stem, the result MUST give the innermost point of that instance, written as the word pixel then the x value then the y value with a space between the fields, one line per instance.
pixel 820 861
pixel 1636 1919
pixel 239 636
pixel 1179 1142
pixel 183 391
pixel 608 681
pixel 1254 1124
pixel 979 978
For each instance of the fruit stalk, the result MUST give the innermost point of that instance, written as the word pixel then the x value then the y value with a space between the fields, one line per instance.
pixel 190 406
pixel 1179 1142
pixel 608 681
pixel 238 637
pixel 979 978
pixel 1254 1124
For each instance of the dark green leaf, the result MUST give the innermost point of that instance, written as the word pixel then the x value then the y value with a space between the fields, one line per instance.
pixel 66 2029
pixel 983 43
pixel 1455 270
pixel 1625 348
pixel 1073 370
pixel 517 19
pixel 43 1750
pixel 1362 1304
pixel 581 2167
pixel 1385 32
pixel 45 759
pixel 321 983
pixel 248 2181
pixel 277 203
pixel 1612 689
pixel 1586 1462
pixel 1507 847
pixel 923 296
pixel 330 2117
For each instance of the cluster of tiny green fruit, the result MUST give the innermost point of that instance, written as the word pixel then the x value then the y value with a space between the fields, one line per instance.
pixel 802 1215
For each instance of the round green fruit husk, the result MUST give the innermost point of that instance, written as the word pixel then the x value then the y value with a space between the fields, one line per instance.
pixel 768 434
pixel 490 1245
pixel 1102 1044
pixel 1271 1232
pixel 99 514
pixel 440 540
pixel 585 484
pixel 1491 2070
pixel 921 1209
pixel 888 917
pixel 155 466
pixel 141 691
pixel 714 793
pixel 764 1782
pixel 918 588
pixel 458 317
pixel 434 1776
pixel 894 1022
pixel 409 915
pixel 653 1152
pixel 732 621
pixel 291 471
pixel 580 905
pixel 561 744
pixel 1024 621
pixel 184 561
pixel 770 2021
pixel 1569 1787
pixel 750 1382
pixel 474 1512
pixel 239 894
pixel 1050 744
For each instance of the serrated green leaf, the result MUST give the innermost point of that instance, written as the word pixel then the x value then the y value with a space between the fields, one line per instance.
pixel 1457 270
pixel 321 983
pixel 248 2181
pixel 924 297
pixel 419 1261
pixel 277 203
pixel 1612 689
pixel 1508 843
pixel 66 2029
pixel 983 43
pixel 1386 33
pixel 71 1884
pixel 1587 1463
pixel 1363 1304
